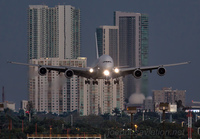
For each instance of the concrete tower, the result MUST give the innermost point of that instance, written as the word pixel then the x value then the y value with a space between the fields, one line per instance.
pixel 54 39
pixel 104 98
pixel 133 48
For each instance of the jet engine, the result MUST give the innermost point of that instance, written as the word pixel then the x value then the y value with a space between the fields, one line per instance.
pixel 42 71
pixel 161 71
pixel 69 73
pixel 137 73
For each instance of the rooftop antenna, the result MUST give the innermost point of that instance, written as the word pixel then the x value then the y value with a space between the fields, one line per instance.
pixel 3 95
pixel 97 52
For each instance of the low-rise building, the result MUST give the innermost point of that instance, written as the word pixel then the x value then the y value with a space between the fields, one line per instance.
pixel 148 104
pixel 168 95
pixel 9 105
pixel 24 104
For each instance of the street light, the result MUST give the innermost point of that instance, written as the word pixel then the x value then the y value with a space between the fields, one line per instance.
pixel 131 110
pixel 198 130
pixel 136 126
pixel 182 123
pixel 164 107
pixel 50 130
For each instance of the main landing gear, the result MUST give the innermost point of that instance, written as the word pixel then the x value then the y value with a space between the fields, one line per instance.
pixel 93 82
pixel 116 81
pixel 87 82
pixel 107 82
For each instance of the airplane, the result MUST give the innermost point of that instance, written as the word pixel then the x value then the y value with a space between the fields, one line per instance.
pixel 103 69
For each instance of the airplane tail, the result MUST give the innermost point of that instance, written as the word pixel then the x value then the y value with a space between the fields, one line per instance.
pixel 97 51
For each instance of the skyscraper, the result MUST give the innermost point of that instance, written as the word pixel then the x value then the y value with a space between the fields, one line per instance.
pixel 133 48
pixel 53 32
pixel 104 98
pixel 54 39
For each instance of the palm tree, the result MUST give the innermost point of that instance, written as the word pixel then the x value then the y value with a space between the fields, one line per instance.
pixel 106 116
pixel 116 111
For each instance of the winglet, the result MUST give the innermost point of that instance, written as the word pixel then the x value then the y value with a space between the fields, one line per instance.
pixel 97 52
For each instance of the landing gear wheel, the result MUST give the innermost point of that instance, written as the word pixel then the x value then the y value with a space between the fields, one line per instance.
pixel 107 82
pixel 95 82
pixel 87 82
pixel 116 81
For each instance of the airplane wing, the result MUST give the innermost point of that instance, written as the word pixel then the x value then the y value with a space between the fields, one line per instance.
pixel 84 72
pixel 79 71
pixel 131 70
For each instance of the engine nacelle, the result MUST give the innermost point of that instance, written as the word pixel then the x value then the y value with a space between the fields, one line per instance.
pixel 42 71
pixel 137 73
pixel 161 71
pixel 69 73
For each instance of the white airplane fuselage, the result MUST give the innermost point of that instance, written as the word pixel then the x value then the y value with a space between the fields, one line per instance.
pixel 103 64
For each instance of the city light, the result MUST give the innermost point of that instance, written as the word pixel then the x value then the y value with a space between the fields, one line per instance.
pixel 136 126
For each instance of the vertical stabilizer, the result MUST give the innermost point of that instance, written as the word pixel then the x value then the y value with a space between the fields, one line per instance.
pixel 97 52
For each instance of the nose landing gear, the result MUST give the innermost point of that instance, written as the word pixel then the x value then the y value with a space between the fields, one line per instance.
pixel 95 82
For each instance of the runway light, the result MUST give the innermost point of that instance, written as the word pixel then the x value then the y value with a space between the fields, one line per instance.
pixel 116 70
pixel 91 70
pixel 106 72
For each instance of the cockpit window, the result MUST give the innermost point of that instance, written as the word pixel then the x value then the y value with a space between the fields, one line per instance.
pixel 107 62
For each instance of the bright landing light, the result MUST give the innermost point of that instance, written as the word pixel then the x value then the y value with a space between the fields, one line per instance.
pixel 106 72
pixel 116 70
pixel 91 70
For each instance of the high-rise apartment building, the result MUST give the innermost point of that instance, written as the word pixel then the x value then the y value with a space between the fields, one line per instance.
pixel 53 32
pixel 101 98
pixel 133 48
pixel 54 39
pixel 167 95
pixel 54 92
pixel 104 98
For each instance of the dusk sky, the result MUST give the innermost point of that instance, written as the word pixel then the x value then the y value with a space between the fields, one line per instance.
pixel 174 36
